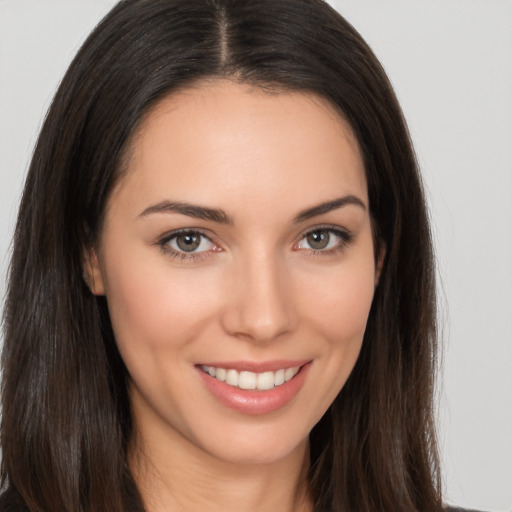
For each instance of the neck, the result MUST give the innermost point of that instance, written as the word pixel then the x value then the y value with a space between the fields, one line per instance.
pixel 187 479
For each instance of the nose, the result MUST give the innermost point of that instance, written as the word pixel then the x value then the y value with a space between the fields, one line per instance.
pixel 260 304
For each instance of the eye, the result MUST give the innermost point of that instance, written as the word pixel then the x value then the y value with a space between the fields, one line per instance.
pixel 324 240
pixel 187 242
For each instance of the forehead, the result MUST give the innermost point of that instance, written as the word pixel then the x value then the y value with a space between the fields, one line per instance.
pixel 222 140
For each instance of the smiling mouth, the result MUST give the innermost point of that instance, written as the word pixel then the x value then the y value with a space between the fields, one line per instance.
pixel 250 380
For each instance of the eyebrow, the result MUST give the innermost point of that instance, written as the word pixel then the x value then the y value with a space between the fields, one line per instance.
pixel 199 212
pixel 328 206
pixel 220 216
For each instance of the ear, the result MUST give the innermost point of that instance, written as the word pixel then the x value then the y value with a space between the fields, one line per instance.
pixel 379 263
pixel 92 273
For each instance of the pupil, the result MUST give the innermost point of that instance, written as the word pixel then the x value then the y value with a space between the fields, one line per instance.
pixel 318 239
pixel 188 242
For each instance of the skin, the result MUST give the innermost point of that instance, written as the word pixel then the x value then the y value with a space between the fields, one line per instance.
pixel 255 291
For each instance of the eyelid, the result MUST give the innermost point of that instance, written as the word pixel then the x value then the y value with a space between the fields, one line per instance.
pixel 182 231
pixel 327 227
pixel 345 235
pixel 164 240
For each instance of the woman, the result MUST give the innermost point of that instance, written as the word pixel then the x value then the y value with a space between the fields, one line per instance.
pixel 222 286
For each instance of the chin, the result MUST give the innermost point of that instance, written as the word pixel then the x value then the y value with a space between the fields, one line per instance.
pixel 256 444
pixel 252 454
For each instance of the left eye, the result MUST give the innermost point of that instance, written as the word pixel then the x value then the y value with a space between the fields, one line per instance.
pixel 189 242
pixel 320 240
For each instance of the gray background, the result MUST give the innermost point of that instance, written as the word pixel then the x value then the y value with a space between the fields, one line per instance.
pixel 451 64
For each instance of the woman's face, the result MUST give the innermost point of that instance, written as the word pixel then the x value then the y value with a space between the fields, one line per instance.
pixel 238 265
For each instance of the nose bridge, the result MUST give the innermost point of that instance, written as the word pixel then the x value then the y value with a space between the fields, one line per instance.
pixel 261 308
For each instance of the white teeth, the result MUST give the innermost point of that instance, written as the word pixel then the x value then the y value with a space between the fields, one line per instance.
pixel 221 374
pixel 289 373
pixel 279 378
pixel 265 381
pixel 247 380
pixel 250 380
pixel 232 377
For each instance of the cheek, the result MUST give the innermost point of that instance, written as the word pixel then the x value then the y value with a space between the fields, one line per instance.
pixel 335 310
pixel 339 305
pixel 153 308
pixel 338 312
pixel 355 294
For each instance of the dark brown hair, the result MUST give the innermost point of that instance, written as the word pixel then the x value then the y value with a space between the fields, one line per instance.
pixel 66 419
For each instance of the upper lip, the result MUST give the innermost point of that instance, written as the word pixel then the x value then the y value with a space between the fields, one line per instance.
pixel 256 366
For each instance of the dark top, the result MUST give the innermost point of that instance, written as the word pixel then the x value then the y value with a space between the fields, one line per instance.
pixel 455 509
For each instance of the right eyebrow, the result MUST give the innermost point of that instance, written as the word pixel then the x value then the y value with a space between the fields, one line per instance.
pixel 191 210
pixel 328 206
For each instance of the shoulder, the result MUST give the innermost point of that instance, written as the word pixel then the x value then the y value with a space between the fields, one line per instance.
pixel 457 509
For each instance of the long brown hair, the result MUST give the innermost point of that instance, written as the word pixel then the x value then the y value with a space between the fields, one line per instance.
pixel 66 418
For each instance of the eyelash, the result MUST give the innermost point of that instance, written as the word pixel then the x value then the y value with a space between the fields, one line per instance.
pixel 163 243
pixel 182 255
pixel 346 238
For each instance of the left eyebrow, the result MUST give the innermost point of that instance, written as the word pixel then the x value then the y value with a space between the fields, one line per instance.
pixel 328 206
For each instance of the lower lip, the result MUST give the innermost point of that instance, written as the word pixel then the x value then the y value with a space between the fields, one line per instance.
pixel 255 402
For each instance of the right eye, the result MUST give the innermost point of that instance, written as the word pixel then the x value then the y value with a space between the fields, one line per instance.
pixel 191 241
pixel 186 244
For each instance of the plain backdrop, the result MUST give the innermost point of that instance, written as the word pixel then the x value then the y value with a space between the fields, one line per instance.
pixel 451 64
